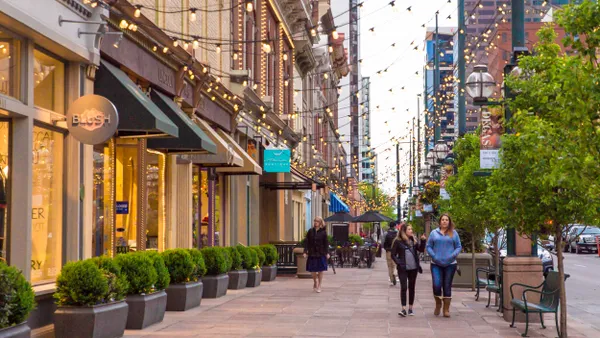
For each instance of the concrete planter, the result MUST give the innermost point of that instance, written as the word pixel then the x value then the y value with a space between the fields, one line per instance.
pixel 482 260
pixel 182 297
pixel 99 321
pixel 237 279
pixel 145 310
pixel 17 331
pixel 254 278
pixel 215 286
pixel 269 272
pixel 301 264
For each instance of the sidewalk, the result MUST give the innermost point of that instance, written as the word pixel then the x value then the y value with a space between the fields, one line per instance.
pixel 354 303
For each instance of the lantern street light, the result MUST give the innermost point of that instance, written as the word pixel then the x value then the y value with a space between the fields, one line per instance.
pixel 421 178
pixel 480 85
pixel 441 150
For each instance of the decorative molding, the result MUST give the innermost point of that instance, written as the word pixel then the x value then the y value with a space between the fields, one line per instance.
pixel 77 7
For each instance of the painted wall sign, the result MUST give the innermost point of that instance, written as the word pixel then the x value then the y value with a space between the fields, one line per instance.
pixel 92 119
pixel 122 207
pixel 277 160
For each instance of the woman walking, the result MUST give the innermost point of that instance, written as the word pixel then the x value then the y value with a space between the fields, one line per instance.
pixel 443 246
pixel 316 248
pixel 405 254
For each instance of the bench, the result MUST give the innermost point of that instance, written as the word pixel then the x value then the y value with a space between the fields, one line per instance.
pixel 286 263
pixel 487 278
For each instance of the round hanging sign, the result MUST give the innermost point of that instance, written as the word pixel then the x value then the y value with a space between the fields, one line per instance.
pixel 92 119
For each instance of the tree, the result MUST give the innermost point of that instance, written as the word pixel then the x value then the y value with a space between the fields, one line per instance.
pixel 376 199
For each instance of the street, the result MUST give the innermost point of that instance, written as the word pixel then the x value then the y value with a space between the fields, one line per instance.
pixel 583 287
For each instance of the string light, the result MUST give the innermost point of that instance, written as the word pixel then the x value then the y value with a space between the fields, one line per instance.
pixel 137 11
pixel 192 14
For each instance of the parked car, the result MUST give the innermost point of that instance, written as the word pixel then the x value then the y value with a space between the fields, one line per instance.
pixel 582 238
pixel 543 253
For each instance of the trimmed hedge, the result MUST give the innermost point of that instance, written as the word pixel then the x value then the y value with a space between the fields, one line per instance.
pixel 17 299
pixel 163 276
pixel 247 257
pixel 180 265
pixel 227 256
pixel 199 265
pixel 261 255
pixel 271 255
pixel 139 270
pixel 117 282
pixel 81 283
pixel 236 258
pixel 215 260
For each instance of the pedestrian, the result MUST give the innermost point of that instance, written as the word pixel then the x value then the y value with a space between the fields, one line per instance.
pixel 405 253
pixel 390 236
pixel 443 246
pixel 316 249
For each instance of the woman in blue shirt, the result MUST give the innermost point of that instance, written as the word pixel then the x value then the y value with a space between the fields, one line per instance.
pixel 443 246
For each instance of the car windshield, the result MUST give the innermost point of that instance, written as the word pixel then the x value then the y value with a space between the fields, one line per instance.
pixel 591 231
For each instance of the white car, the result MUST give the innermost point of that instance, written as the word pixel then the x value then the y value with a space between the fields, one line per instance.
pixel 583 238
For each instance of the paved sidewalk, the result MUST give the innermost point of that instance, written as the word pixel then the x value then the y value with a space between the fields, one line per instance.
pixel 354 303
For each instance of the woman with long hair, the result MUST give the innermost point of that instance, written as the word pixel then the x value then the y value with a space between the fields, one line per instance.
pixel 316 250
pixel 405 254
pixel 443 246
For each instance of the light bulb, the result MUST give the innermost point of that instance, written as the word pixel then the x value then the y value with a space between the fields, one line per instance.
pixel 192 15
pixel 195 44
pixel 313 32
pixel 137 12
pixel 175 43
pixel 166 49
pixel 266 47
pixel 335 34
pixel 123 24
pixel 285 57
pixel 285 83
pixel 235 56
pixel 245 83
pixel 249 6
pixel 185 45
pixel 330 49
pixel 218 49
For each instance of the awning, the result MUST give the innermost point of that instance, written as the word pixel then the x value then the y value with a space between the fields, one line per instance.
pixel 336 204
pixel 138 115
pixel 250 166
pixel 302 183
pixel 226 156
pixel 191 137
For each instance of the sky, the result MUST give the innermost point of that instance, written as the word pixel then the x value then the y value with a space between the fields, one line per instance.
pixel 402 27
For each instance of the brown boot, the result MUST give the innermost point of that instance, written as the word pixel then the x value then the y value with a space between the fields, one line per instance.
pixel 438 305
pixel 447 301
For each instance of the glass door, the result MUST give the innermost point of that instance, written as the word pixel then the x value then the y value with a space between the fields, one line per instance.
pixel 127 169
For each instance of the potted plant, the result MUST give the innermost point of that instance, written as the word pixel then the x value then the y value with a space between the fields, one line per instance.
pixel 269 268
pixel 255 273
pixel 17 300
pixel 90 301
pixel 186 267
pixel 216 280
pixel 146 297
pixel 249 262
pixel 238 277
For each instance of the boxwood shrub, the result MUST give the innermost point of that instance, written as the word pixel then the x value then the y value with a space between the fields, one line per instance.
pixel 216 262
pixel 117 282
pixel 180 265
pixel 17 299
pixel 247 257
pixel 81 283
pixel 163 276
pixel 255 259
pixel 228 257
pixel 199 265
pixel 271 255
pixel 139 270
pixel 261 255
pixel 236 258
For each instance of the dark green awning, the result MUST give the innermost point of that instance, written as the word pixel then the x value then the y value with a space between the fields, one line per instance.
pixel 191 137
pixel 138 116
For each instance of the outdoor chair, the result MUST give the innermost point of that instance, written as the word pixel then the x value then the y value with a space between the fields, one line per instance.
pixel 548 303
pixel 486 278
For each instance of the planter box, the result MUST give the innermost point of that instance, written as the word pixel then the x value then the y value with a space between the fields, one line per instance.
pixel 182 297
pixel 254 278
pixel 482 260
pixel 301 264
pixel 269 272
pixel 215 286
pixel 99 321
pixel 145 310
pixel 238 279
pixel 17 331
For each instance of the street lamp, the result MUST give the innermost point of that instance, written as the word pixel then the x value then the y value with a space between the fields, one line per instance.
pixel 441 150
pixel 480 84
pixel 421 179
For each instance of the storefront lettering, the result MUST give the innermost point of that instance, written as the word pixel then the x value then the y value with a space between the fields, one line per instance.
pixel 166 78
pixel 37 213
pixel 36 265
pixel 91 119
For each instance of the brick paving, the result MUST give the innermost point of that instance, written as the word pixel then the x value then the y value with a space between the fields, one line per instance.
pixel 354 303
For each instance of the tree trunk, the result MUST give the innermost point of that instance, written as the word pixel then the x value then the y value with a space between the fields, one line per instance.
pixel 563 291
pixel 473 274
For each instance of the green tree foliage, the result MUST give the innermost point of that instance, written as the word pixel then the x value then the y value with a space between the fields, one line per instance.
pixel 376 199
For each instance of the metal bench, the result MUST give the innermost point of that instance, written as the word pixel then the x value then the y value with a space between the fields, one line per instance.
pixel 286 264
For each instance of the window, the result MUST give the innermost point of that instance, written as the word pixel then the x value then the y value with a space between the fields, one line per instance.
pixel 4 187
pixel 47 205
pixel 504 37
pixel 155 203
pixel 9 64
pixel 49 82
pixel 126 176
pixel 102 211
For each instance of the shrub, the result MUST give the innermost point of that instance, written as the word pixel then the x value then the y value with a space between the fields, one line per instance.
pixel 255 260
pixel 117 282
pixel 163 276
pixel 355 239
pixel 216 262
pixel 180 265
pixel 139 270
pixel 261 255
pixel 271 255
pixel 81 283
pixel 246 255
pixel 17 299
pixel 236 258
pixel 199 265
pixel 227 256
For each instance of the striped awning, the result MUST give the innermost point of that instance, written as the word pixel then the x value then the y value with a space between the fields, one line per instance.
pixel 336 204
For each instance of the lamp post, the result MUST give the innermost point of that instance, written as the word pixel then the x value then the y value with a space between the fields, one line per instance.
pixel 441 150
pixel 480 85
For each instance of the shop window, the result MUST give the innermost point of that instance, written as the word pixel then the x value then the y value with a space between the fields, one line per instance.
pixel 103 202
pixel 126 172
pixel 4 185
pixel 196 209
pixel 10 64
pixel 155 203
pixel 47 205
pixel 48 82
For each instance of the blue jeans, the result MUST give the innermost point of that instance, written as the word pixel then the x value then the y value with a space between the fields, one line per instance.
pixel 442 279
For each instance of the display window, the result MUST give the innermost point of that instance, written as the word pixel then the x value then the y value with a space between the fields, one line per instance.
pixel 127 171
pixel 4 188
pixel 10 64
pixel 48 82
pixel 47 205
pixel 155 200
pixel 207 211
pixel 103 200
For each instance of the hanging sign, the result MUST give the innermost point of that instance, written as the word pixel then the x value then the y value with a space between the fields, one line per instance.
pixel 122 207
pixel 491 131
pixel 277 160
pixel 92 119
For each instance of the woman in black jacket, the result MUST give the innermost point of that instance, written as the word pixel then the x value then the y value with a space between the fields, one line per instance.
pixel 405 252
pixel 316 248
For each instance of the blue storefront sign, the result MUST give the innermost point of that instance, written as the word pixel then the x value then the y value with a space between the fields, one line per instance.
pixel 277 160
pixel 122 207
